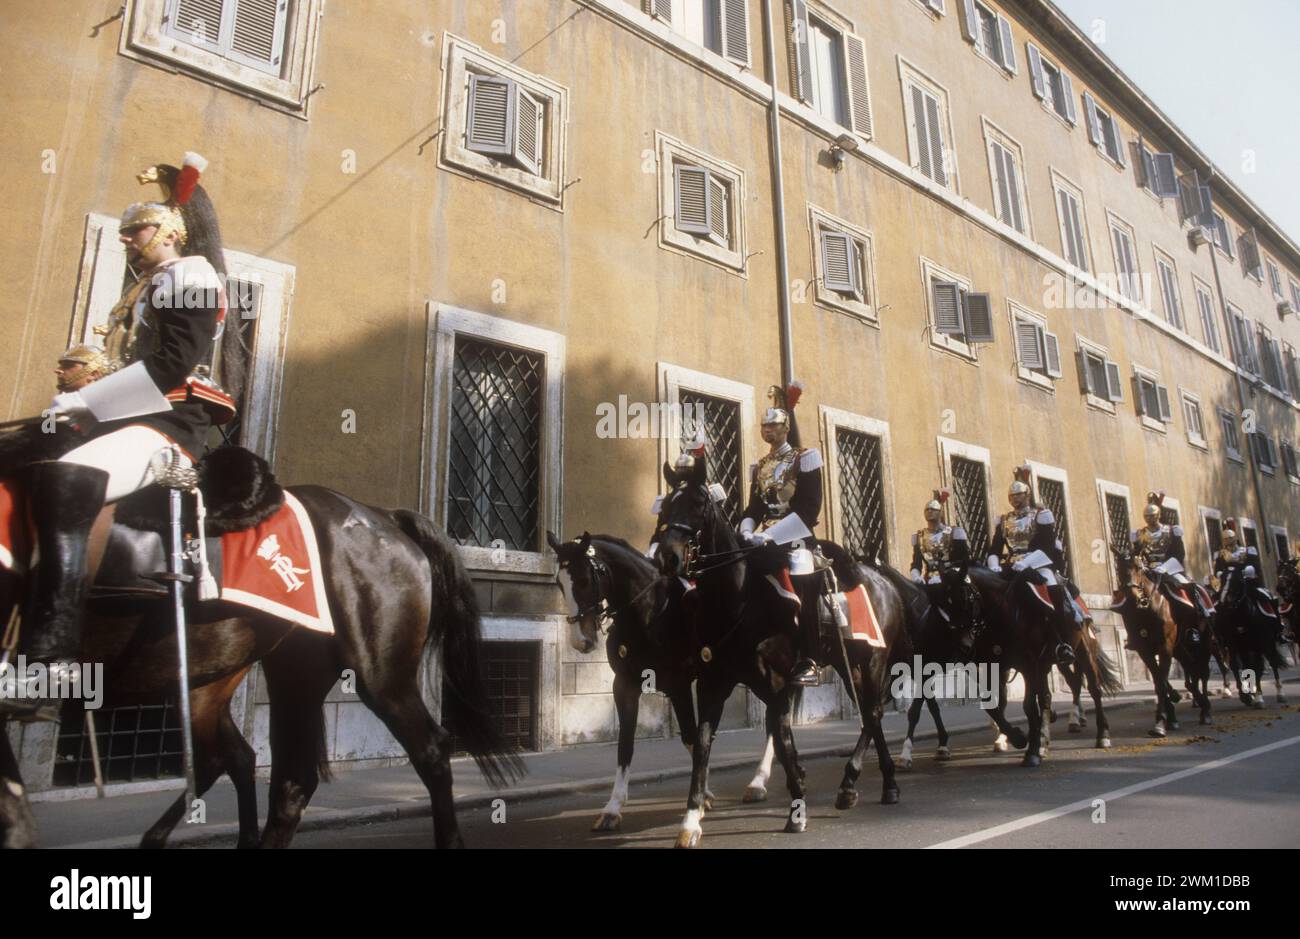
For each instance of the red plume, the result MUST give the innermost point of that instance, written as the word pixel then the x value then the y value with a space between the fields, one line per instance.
pixel 942 495
pixel 793 392
pixel 1230 525
pixel 1023 473
pixel 188 178
pixel 1157 497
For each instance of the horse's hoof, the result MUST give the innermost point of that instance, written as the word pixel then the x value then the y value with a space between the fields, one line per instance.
pixel 1018 738
pixel 1258 703
pixel 1103 743
pixel 1083 721
pixel 1158 731
pixel 754 794
pixel 846 799
pixel 1175 726
pixel 708 802
pixel 943 754
pixel 889 795
pixel 999 745
pixel 1031 759
pixel 1206 720
pixel 1281 699
pixel 793 827
pixel 689 838
pixel 1051 716
pixel 1075 727
pixel 607 822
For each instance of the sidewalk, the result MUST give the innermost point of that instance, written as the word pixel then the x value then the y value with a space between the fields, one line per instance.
pixel 395 792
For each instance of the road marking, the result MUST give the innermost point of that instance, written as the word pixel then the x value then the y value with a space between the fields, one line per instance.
pixel 1029 820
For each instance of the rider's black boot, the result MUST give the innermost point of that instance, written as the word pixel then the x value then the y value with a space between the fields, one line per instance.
pixel 1064 625
pixel 806 670
pixel 65 499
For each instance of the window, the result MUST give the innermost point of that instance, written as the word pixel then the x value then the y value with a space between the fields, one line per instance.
pixel 496 440
pixel 1158 174
pixel 1290 465
pixel 1242 341
pixel 1052 495
pixel 700 203
pixel 859 482
pixel 1038 352
pixel 1194 420
pixel 1128 280
pixel 1007 173
pixel 1264 450
pixel 1051 85
pixel 504 125
pixel 1209 323
pixel 1213 522
pixel 1292 370
pixel 1069 208
pixel 990 33
pixel 1220 233
pixel 1114 499
pixel 1270 359
pixel 1103 130
pixel 967 475
pixel 1169 290
pixel 1295 295
pixel 261 47
pixel 1151 399
pixel 926 106
pixel 1275 280
pixel 828 65
pixel 1231 440
pixel 844 266
pixel 721 26
pixel 1250 261
pixel 1281 541
pixel 1099 377
pixel 959 319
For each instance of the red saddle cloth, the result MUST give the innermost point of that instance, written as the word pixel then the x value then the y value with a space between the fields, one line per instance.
pixel 276 568
pixel 863 625
pixel 15 545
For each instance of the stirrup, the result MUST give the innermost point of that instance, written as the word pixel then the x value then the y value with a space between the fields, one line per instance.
pixel 809 676
pixel 1064 654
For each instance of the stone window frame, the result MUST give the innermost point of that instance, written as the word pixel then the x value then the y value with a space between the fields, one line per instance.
pixel 460 58
pixel 1185 397
pixel 929 271
pixel 144 38
pixel 865 309
pixel 671 379
pixel 670 151
pixel 1088 347
pixel 995 134
pixel 1233 454
pixel 831 420
pixel 1143 373
pixel 445 323
pixel 1106 487
pixel 950 447
pixel 911 74
pixel 1015 313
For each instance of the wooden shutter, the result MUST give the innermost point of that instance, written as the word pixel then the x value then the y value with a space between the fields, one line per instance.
pixel 970 24
pixel 1036 71
pixel 922 134
pixel 691 197
pixel 491 127
pixel 198 22
pixel 734 30
pixel 1115 391
pixel 528 132
pixel 936 140
pixel 719 214
pixel 1139 399
pixel 947 308
pixel 257 34
pixel 1071 112
pixel 979 318
pixel 1008 47
pixel 659 9
pixel 859 85
pixel 1166 181
pixel 1029 345
pixel 1085 373
pixel 1162 397
pixel 1120 155
pixel 800 72
pixel 1009 187
pixel 1052 346
pixel 837 262
pixel 1094 120
pixel 1207 210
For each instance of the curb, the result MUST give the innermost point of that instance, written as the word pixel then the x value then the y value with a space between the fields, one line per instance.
pixel 327 819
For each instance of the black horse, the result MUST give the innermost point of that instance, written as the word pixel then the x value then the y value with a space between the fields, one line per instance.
pixel 743 635
pixel 395 586
pixel 1249 626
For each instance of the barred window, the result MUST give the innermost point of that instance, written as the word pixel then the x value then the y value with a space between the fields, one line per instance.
pixel 722 432
pixel 972 508
pixel 1117 520
pixel 494 480
pixel 1213 534
pixel 1168 515
pixel 1051 493
pixel 862 494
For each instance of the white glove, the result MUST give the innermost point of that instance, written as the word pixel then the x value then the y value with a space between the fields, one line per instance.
pixel 758 538
pixel 70 403
pixel 1249 572
pixel 1019 565
pixel 993 563
pixel 916 576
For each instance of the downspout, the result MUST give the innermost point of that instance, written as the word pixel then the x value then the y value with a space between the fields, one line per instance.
pixel 1264 535
pixel 778 207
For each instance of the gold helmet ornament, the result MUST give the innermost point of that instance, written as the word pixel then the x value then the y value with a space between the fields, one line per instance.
pixel 1020 487
pixel 1155 502
pixel 1230 532
pixel 783 402
pixel 178 186
pixel 940 497
pixel 94 364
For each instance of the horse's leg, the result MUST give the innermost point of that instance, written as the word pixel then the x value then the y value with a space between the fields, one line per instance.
pixel 1159 728
pixel 847 796
pixel 756 791
pixel 868 692
pixel 627 701
pixel 17 826
pixel 913 718
pixel 219 748
pixel 1007 731
pixel 1074 678
pixel 711 700
pixel 1277 664
pixel 783 740
pixel 1165 661
pixel 942 753
pixel 1094 690
pixel 298 677
pixel 1033 755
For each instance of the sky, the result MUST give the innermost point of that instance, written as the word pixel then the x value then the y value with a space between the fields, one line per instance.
pixel 1227 74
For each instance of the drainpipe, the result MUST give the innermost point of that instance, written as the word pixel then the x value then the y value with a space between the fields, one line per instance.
pixel 1264 535
pixel 778 207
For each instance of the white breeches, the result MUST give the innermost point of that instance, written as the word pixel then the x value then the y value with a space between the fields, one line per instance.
pixel 126 455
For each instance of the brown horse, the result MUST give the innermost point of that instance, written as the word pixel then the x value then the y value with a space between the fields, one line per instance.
pixel 395 586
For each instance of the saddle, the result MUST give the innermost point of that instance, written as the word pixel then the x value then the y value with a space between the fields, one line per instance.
pixel 239 492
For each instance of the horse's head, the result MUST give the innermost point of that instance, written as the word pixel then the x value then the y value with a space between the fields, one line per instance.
pixel 687 514
pixel 585 579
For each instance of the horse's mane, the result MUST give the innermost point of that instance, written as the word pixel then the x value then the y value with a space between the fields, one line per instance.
pixel 619 545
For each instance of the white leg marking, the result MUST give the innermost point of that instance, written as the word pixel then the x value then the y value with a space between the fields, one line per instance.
pixel 692 820
pixel 616 798
pixel 764 771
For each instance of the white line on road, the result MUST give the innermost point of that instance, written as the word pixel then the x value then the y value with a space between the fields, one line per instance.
pixel 1005 829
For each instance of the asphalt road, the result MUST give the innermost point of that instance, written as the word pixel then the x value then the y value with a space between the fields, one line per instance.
pixel 1235 784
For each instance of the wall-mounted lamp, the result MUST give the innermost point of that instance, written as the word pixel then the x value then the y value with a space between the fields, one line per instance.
pixel 844 143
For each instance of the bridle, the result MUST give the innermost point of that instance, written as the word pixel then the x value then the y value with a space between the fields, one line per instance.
pixel 692 555
pixel 600 606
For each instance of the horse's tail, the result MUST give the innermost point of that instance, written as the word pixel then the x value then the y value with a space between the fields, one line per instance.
pixel 456 622
pixel 1108 676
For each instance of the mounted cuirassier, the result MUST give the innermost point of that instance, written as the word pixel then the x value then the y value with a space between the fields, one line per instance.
pixel 939 549
pixel 1234 558
pixel 785 485
pixel 1160 548
pixel 151 410
pixel 1025 538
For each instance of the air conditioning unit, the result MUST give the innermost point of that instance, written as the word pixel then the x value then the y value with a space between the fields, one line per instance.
pixel 1285 309
pixel 1198 236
